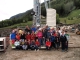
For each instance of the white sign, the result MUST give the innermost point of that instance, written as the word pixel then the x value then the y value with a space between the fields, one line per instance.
pixel 51 17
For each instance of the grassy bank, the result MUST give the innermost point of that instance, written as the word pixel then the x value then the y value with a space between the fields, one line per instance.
pixel 29 23
pixel 72 18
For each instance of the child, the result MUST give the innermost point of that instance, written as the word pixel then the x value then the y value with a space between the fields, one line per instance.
pixel 67 36
pixel 22 37
pixel 17 44
pixel 37 44
pixel 48 44
pixel 63 40
pixel 52 39
pixel 40 36
pixel 32 45
pixel 12 38
pixel 57 40
pixel 25 45
pixel 48 34
pixel 28 36
pixel 18 36
pixel 33 36
pixel 29 42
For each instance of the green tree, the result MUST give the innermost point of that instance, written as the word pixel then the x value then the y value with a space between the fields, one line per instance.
pixel 68 7
pixel 77 3
pixel 43 11
pixel 57 19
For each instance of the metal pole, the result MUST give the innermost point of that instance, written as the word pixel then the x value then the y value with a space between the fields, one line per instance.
pixel 49 4
pixel 37 15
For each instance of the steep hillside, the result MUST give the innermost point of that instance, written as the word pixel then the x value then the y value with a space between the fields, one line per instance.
pixel 64 10
pixel 75 13
pixel 72 18
pixel 22 15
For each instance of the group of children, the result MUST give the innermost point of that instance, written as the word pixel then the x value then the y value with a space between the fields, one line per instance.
pixel 35 37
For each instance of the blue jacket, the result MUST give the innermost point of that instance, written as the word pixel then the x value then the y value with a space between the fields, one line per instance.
pixel 52 38
pixel 13 36
pixel 48 34
pixel 33 29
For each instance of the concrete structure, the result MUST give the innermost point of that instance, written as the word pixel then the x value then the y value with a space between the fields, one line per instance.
pixel 4 43
pixel 51 17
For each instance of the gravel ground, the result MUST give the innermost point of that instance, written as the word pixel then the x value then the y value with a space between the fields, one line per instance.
pixel 72 54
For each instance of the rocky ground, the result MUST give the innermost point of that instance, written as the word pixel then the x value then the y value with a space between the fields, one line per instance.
pixel 72 54
pixel 5 32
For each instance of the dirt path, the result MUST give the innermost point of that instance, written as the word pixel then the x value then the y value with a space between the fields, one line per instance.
pixel 72 54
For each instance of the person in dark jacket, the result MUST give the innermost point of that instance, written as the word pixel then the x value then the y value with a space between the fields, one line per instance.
pixel 22 38
pixel 27 29
pixel 29 43
pixel 52 39
pixel 48 34
pixel 45 30
pixel 57 40
pixel 63 40
pixel 32 45
pixel 67 36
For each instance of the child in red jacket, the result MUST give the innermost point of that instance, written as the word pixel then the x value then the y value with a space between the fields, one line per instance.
pixel 48 44
pixel 17 36
pixel 37 44
pixel 33 36
pixel 28 36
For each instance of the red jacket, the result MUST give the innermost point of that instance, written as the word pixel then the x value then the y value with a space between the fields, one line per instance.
pixel 33 36
pixel 18 37
pixel 48 43
pixel 28 37
pixel 54 34
pixel 37 43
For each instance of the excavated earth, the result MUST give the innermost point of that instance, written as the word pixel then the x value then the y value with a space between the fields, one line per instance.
pixel 72 54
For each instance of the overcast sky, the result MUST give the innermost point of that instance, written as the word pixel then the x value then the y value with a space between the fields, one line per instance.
pixel 9 8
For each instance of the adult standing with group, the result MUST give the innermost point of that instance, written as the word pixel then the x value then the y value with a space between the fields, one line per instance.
pixel 56 37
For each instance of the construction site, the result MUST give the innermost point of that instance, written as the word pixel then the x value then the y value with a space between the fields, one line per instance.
pixel 73 53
